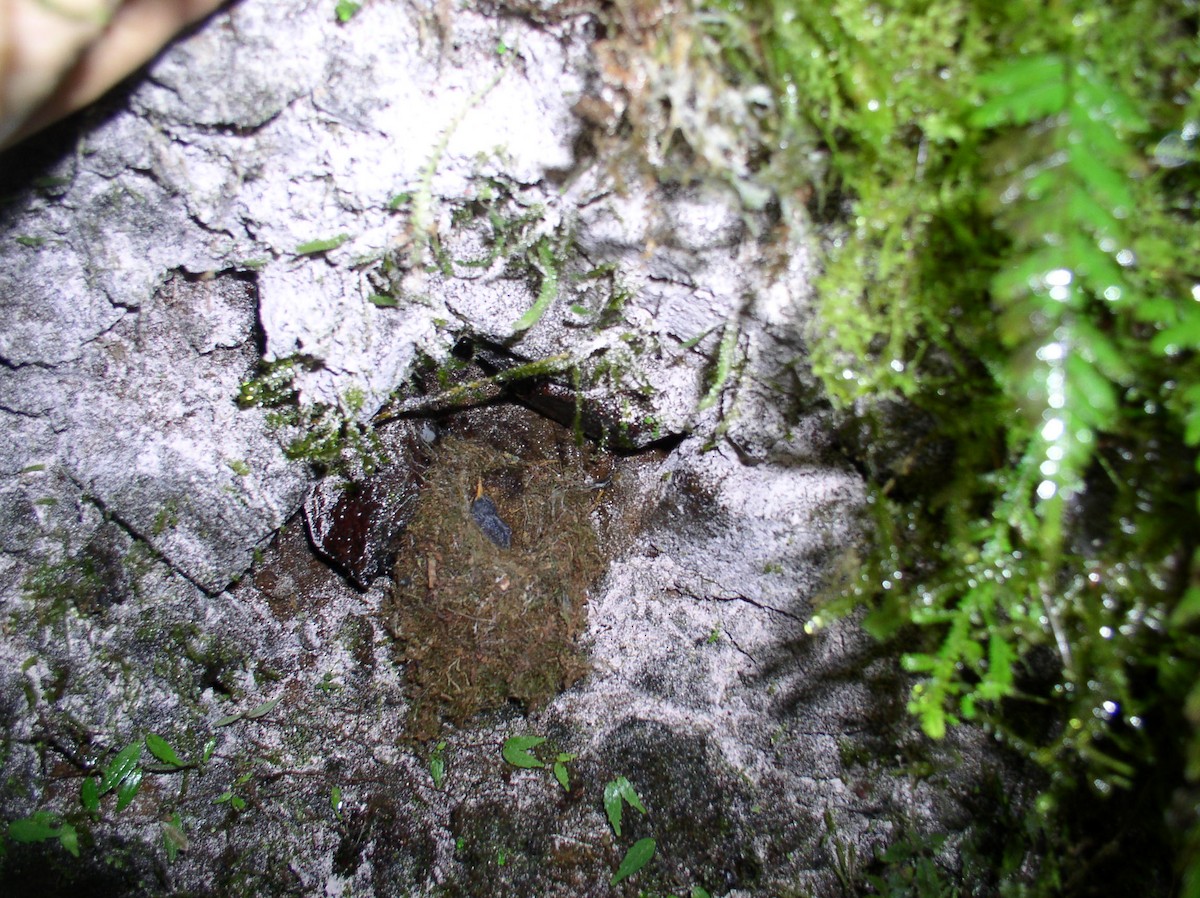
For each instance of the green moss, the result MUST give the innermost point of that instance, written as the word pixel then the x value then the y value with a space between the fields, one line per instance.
pixel 1006 315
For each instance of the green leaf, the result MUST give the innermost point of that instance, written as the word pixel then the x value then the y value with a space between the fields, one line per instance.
pixel 1022 73
pixel 516 751
pixel 613 806
pixel 37 827
pixel 560 769
pixel 630 794
pixel 383 300
pixel 174 838
pixel 1105 183
pixel 1105 103
pixel 89 795
pixel 335 800
pixel 617 792
pixel 31 242
pixel 638 855
pixel 400 200
pixel 209 747
pixel 120 767
pixel 437 770
pixel 725 351
pixel 228 719
pixel 127 789
pixel 346 10
pixel 264 709
pixel 547 293
pixel 161 749
pixel 68 838
pixel 1094 399
pixel 315 247
pixel 1021 91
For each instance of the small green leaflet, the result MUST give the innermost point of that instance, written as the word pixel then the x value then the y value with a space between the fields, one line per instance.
pixel 174 838
pixel 616 793
pixel 695 341
pixel 335 801
pixel 161 749
pixel 560 769
pixel 37 827
pixel 383 300
pixel 69 839
pixel 235 801
pixel 1021 91
pixel 262 710
pixel 315 247
pixel 437 765
pixel 346 10
pixel 548 292
pixel 636 857
pixel 729 339
pixel 516 751
pixel 128 788
pixel 89 795
pixel 121 767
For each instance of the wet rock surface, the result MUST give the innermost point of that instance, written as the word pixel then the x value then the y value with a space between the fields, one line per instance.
pixel 356 524
pixel 162 572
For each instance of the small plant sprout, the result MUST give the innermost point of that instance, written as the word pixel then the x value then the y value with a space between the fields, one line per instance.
pixel 316 247
pixel 254 713
pixel 547 293
pixel 335 801
pixel 560 769
pixel 174 838
pixel 617 794
pixel 122 774
pixel 437 765
pixel 724 365
pixel 517 751
pixel 40 827
pixel 638 855
pixel 161 749
pixel 230 796
pixel 346 10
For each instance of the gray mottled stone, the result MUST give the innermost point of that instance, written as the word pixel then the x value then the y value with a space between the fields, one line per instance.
pixel 135 493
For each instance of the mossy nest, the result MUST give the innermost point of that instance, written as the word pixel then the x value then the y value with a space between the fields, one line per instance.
pixel 477 625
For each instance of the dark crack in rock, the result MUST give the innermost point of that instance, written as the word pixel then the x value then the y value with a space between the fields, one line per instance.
pixel 356 525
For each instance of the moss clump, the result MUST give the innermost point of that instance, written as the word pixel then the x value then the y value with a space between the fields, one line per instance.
pixel 478 625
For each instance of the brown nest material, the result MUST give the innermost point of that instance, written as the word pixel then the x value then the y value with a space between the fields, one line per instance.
pixel 479 625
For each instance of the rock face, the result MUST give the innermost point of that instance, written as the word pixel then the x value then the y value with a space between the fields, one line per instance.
pixel 354 200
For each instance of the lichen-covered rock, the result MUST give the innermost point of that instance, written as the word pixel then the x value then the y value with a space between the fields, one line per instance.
pixel 349 202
